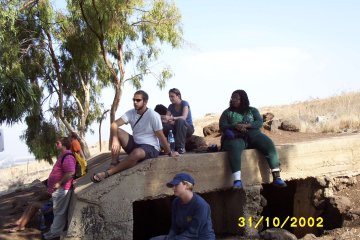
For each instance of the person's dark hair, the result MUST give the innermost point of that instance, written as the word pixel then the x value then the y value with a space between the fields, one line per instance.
pixel 73 135
pixel 176 92
pixel 65 141
pixel 244 101
pixel 144 95
pixel 160 109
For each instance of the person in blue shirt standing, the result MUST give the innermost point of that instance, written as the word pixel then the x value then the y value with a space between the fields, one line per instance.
pixel 190 214
pixel 178 119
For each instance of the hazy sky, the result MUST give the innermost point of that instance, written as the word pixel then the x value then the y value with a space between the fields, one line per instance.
pixel 280 52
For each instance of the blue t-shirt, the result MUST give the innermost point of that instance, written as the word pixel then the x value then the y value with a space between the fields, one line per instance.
pixel 175 113
pixel 191 220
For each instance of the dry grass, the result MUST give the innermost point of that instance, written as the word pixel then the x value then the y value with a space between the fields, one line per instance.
pixel 340 113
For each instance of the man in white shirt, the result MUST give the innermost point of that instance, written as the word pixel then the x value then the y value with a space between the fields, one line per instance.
pixel 143 144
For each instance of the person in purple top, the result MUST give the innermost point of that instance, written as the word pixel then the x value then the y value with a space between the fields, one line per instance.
pixel 178 119
pixel 59 186
pixel 190 213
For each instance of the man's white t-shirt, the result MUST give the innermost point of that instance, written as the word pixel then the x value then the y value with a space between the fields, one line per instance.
pixel 144 131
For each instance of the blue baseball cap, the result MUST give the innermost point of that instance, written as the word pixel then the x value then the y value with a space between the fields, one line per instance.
pixel 180 177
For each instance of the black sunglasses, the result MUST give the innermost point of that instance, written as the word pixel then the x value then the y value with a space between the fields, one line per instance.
pixel 137 100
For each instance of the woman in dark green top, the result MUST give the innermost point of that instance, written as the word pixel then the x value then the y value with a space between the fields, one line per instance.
pixel 240 127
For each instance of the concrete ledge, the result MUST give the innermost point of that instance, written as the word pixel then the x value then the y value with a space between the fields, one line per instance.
pixel 104 210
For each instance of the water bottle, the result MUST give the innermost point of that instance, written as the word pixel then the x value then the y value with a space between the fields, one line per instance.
pixel 171 140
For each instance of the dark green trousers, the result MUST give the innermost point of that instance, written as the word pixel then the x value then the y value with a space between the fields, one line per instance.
pixel 258 141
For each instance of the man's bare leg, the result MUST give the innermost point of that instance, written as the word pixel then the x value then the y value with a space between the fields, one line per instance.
pixel 26 216
pixel 123 137
pixel 130 161
pixel 29 213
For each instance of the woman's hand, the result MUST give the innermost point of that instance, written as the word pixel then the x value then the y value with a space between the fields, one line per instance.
pixel 173 154
pixel 241 127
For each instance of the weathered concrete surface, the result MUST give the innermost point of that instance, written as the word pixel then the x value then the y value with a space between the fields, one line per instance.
pixel 104 210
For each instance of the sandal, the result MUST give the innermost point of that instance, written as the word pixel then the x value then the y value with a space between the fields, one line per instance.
pixel 11 225
pixel 98 179
pixel 114 163
pixel 16 229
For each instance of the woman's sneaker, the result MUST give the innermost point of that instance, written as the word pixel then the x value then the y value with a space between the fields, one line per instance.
pixel 237 184
pixel 278 182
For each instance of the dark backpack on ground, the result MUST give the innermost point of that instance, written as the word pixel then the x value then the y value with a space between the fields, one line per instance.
pixel 77 165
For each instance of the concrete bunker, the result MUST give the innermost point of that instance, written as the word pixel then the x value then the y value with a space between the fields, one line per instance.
pixel 307 211
pixel 116 204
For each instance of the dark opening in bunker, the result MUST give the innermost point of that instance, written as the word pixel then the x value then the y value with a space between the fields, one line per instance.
pixel 295 208
pixel 153 217
pixel 279 205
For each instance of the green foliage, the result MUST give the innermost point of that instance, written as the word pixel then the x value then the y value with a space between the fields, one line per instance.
pixel 45 68
pixel 54 65
pixel 15 97
pixel 129 34
pixel 18 90
pixel 40 137
pixel 135 29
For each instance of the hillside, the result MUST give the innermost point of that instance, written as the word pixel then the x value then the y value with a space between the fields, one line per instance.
pixel 336 114
pixel 317 118
pixel 341 115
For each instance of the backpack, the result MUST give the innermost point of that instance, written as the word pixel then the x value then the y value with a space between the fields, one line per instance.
pixel 80 167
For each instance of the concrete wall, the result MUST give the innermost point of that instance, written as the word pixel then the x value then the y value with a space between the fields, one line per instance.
pixel 104 210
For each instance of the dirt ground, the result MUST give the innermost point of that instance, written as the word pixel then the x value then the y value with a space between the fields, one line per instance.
pixel 12 205
pixel 284 137
pixel 351 229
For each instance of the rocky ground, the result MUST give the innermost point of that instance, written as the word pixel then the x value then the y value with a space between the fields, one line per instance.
pixel 12 205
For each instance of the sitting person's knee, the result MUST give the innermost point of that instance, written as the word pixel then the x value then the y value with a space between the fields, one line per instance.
pixel 180 121
pixel 138 154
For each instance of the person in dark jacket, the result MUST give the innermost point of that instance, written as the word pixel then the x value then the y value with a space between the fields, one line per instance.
pixel 190 214
pixel 240 129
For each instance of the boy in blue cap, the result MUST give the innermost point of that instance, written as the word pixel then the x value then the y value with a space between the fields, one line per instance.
pixel 191 214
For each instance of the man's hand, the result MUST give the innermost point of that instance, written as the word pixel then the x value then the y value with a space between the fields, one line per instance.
pixel 57 185
pixel 168 119
pixel 115 147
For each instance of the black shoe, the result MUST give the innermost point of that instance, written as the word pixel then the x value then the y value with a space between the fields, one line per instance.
pixel 181 150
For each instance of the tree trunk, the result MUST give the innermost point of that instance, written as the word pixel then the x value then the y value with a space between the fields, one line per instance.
pixel 119 87
pixel 85 148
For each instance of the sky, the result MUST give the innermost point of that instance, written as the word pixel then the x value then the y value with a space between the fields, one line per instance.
pixel 279 52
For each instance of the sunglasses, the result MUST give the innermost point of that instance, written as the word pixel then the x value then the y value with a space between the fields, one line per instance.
pixel 137 100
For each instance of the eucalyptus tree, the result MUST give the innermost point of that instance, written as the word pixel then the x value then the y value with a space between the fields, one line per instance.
pixel 130 34
pixel 53 65
pixel 49 73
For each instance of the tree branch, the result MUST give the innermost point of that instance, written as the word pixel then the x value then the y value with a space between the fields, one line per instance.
pixel 87 21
